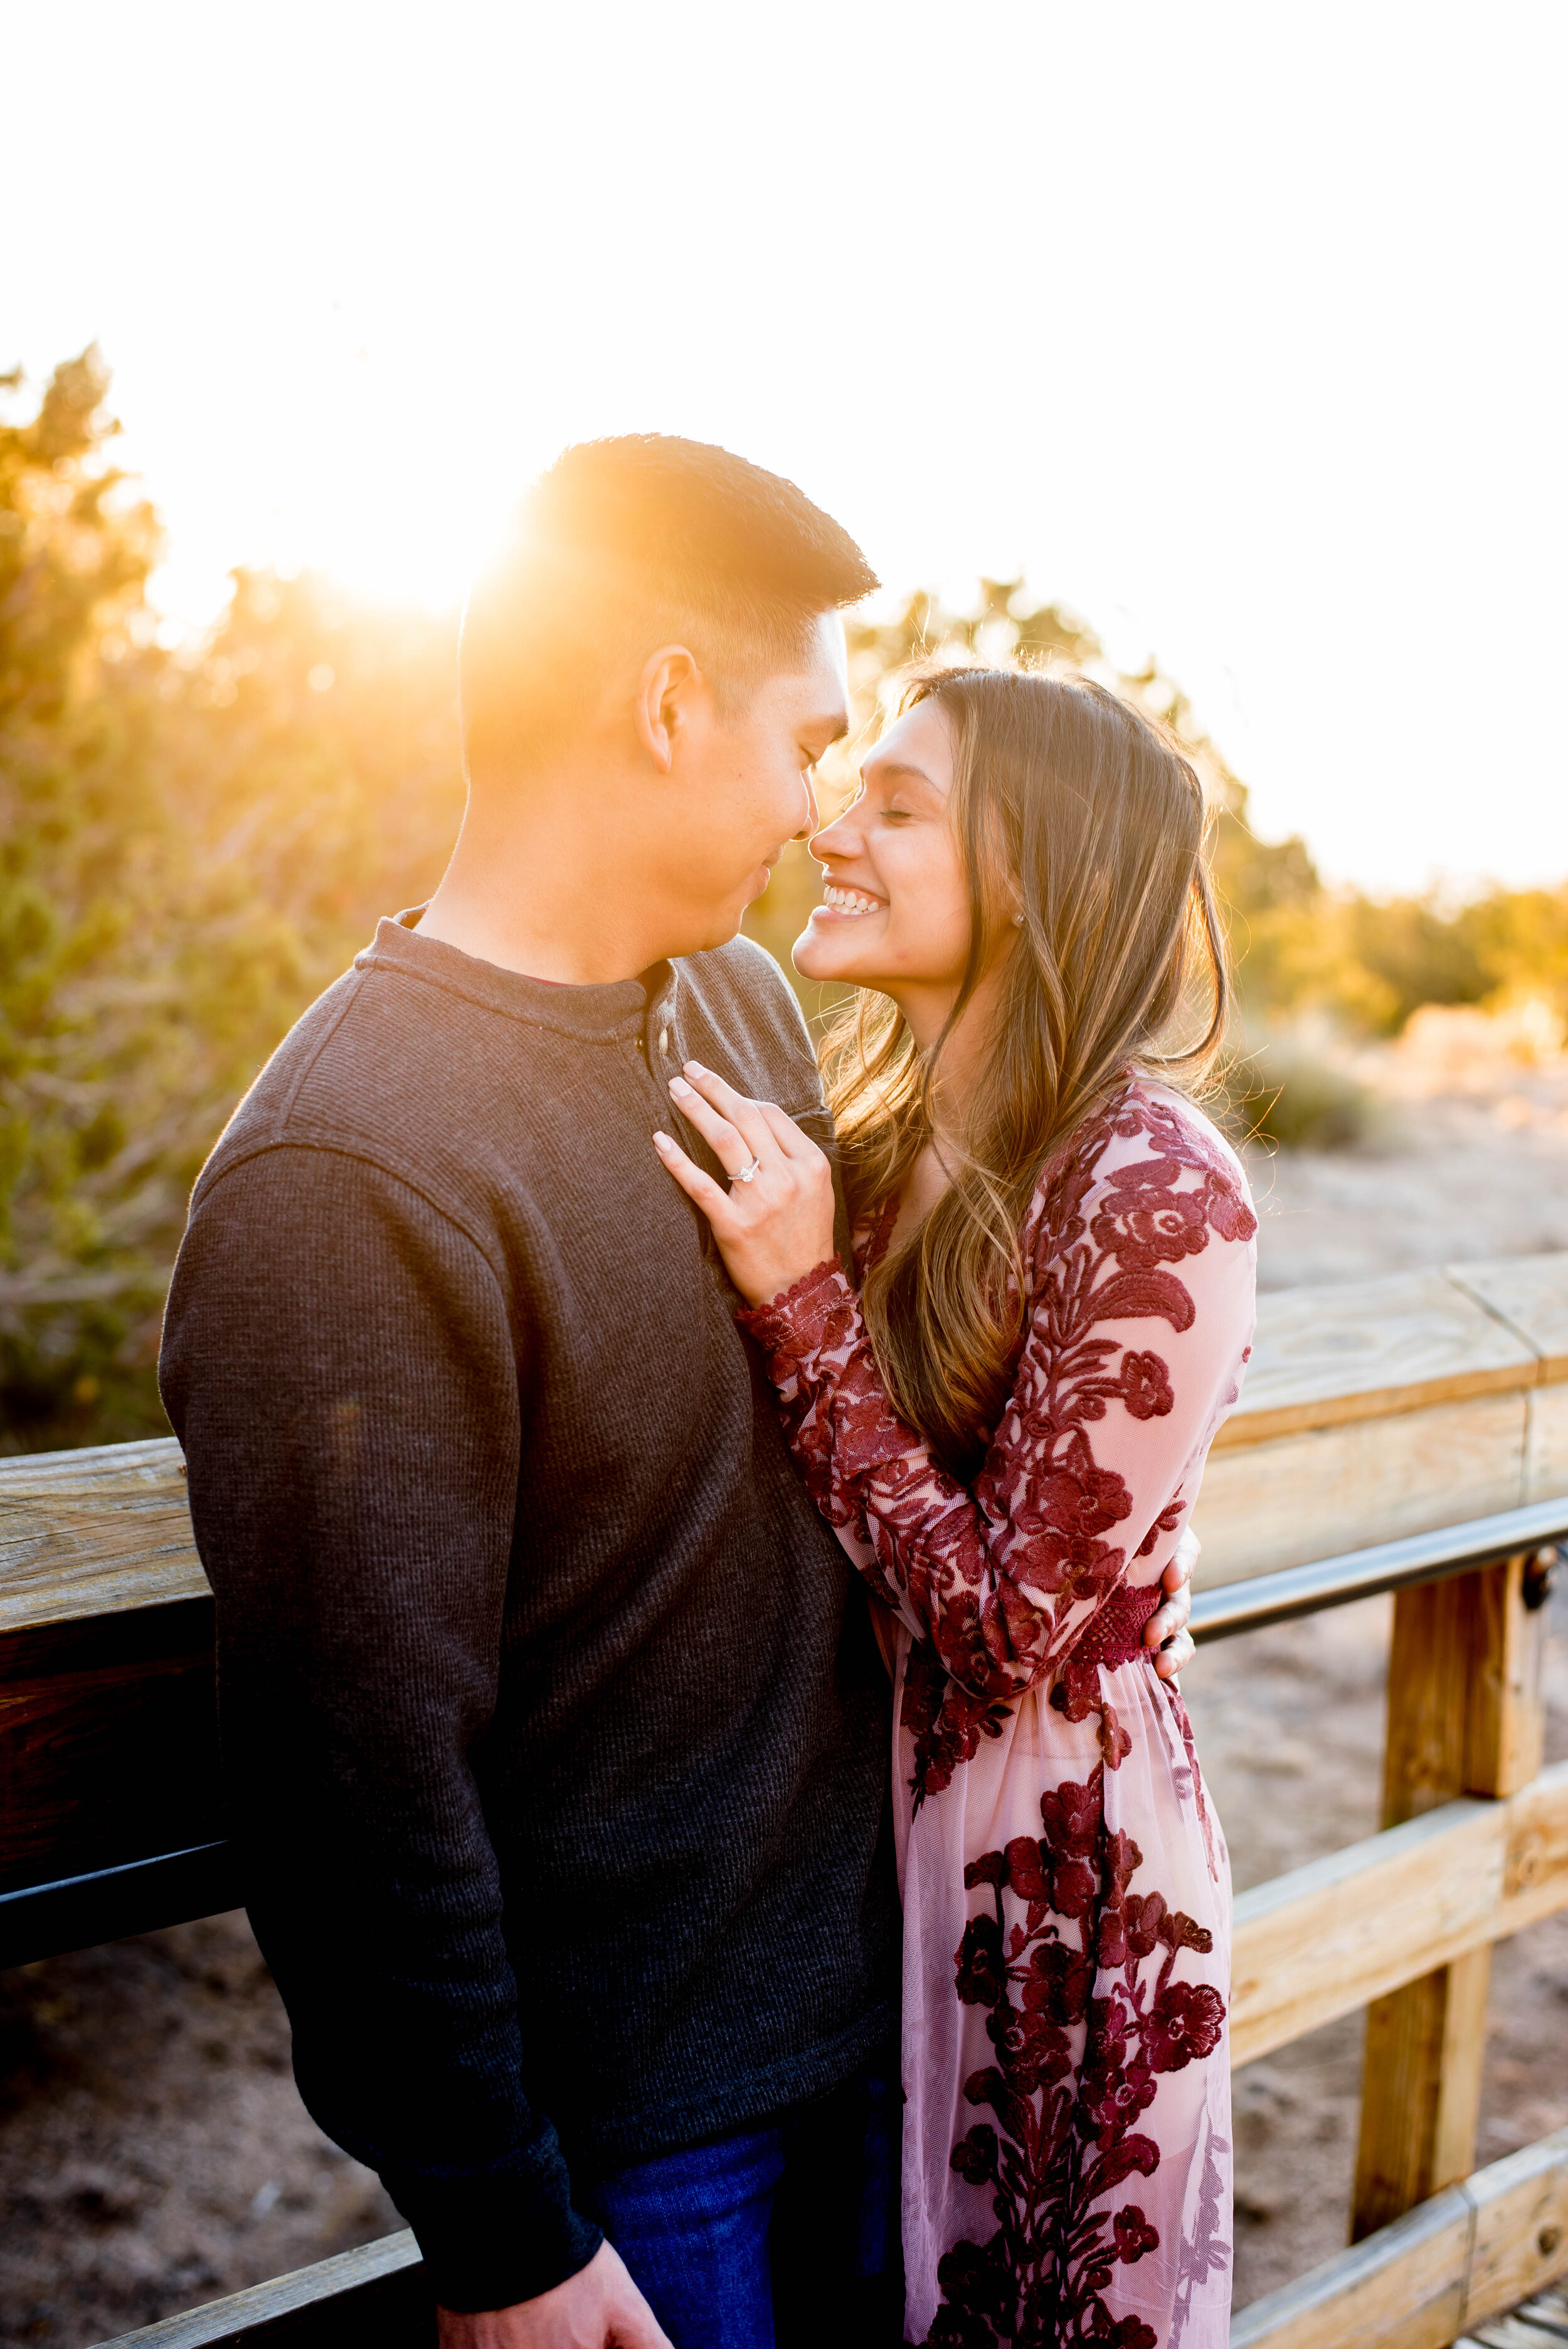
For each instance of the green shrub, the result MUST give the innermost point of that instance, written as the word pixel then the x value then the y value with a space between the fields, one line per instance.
pixel 1285 1091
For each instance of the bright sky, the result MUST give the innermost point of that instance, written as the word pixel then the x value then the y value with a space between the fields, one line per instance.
pixel 1239 329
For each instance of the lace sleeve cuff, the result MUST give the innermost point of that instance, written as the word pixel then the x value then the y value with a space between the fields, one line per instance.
pixel 797 1322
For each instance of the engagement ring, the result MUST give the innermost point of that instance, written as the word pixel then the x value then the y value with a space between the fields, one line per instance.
pixel 745 1173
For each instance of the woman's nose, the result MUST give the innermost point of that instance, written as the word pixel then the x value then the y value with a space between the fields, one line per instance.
pixel 829 842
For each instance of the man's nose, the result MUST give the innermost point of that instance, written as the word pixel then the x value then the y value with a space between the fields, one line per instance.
pixel 813 813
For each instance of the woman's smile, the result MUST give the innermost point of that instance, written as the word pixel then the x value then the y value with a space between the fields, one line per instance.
pixel 843 902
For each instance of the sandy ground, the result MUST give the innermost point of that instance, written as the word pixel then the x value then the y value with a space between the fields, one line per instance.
pixel 1466 1158
pixel 153 2151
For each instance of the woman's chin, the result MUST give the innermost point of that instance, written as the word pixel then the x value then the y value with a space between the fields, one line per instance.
pixel 815 956
pixel 850 952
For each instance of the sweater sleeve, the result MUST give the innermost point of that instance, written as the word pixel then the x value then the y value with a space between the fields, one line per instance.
pixel 340 1367
pixel 1140 1318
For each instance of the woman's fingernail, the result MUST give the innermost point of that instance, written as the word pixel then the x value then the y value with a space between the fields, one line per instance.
pixel 663 1141
pixel 679 1085
pixel 695 1069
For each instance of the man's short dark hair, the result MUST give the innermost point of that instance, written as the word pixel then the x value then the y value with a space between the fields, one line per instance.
pixel 624 546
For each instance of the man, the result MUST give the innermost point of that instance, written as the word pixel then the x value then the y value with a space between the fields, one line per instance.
pixel 554 1727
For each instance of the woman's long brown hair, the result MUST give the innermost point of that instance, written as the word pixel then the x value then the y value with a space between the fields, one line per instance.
pixel 1079 813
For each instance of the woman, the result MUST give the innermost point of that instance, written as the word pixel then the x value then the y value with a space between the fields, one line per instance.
pixel 1006 1428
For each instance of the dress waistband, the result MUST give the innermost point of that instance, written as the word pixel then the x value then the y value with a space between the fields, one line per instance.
pixel 1116 1635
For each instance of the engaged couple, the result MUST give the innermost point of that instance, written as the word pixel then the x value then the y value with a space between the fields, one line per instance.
pixel 701 1566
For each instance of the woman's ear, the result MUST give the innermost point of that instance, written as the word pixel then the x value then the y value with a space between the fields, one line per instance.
pixel 664 690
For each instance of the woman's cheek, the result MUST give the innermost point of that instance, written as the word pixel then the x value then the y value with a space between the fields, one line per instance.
pixel 947 945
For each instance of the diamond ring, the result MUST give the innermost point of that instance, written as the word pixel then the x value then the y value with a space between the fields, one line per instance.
pixel 745 1173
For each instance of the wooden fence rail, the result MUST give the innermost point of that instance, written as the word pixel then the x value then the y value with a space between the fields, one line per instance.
pixel 1390 1407
pixel 1456 2260
pixel 1338 1933
pixel 1372 1415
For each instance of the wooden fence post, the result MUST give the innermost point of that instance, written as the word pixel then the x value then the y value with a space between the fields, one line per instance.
pixel 1464 1718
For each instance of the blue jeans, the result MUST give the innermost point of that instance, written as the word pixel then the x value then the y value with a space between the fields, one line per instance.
pixel 785 2236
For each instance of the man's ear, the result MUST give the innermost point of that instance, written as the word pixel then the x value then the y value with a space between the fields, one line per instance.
pixel 662 711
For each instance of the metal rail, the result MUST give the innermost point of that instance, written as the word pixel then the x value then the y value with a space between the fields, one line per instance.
pixel 1264 1598
pixel 78 1912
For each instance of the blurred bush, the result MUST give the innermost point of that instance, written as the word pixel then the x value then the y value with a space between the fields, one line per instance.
pixel 1291 1088
pixel 194 840
pixel 191 847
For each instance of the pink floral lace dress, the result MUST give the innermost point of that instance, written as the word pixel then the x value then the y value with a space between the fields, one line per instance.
pixel 1066 1885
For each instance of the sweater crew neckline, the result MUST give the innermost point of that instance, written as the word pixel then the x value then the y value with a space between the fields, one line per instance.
pixel 596 1014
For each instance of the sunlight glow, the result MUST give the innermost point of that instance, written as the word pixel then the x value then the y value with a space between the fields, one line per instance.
pixel 1234 329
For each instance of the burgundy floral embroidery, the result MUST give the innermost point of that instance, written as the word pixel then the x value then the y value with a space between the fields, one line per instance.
pixel 1064 2136
pixel 944 1720
pixel 1165 1522
pixel 1084 2005
pixel 1146 1221
pixel 1043 1506
pixel 1145 1385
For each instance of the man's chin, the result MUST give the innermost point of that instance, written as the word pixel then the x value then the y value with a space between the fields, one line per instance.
pixel 720 927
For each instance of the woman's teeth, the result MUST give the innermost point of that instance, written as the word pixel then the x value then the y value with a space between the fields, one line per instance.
pixel 851 901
